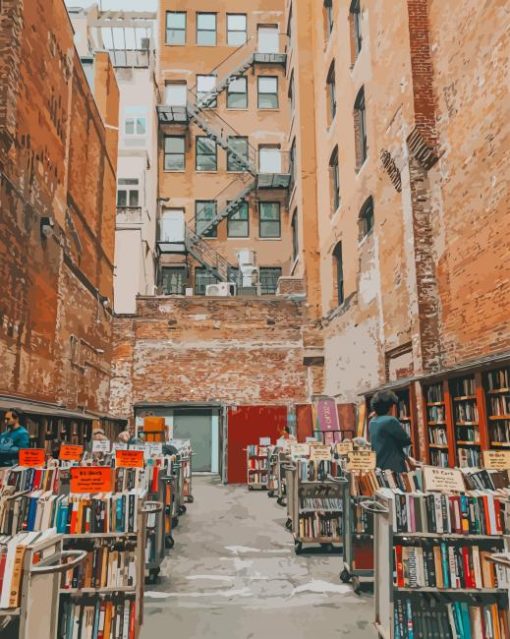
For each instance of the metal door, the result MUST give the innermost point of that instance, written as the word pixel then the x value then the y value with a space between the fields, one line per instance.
pixel 196 426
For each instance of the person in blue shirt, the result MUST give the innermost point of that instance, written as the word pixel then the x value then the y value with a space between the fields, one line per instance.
pixel 387 435
pixel 11 440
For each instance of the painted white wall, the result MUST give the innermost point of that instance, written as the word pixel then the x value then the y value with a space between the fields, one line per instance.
pixel 128 264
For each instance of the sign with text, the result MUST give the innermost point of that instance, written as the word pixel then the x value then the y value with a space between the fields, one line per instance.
pixel 327 415
pixel 343 448
pixel 32 457
pixel 320 453
pixel 496 459
pixel 153 449
pixel 299 450
pixel 444 480
pixel 361 460
pixel 100 445
pixel 119 446
pixel 91 479
pixel 265 441
pixel 70 452
pixel 129 458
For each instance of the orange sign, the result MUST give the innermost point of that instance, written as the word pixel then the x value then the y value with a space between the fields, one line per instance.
pixel 33 457
pixel 129 458
pixel 70 452
pixel 91 479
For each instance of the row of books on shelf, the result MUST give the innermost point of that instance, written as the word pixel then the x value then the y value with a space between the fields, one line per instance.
pixel 102 619
pixel 447 566
pixel 315 525
pixel 499 379
pixel 466 411
pixel 439 458
pixel 257 477
pixel 436 414
pixel 438 436
pixel 500 405
pixel 362 520
pixel 311 470
pixel 468 457
pixel 428 618
pixel 255 463
pixel 500 432
pixel 107 565
pixel 256 451
pixel 321 503
pixel 463 387
pixel 435 394
pixel 21 478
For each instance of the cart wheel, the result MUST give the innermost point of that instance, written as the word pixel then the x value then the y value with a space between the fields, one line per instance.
pixel 175 522
pixel 270 493
pixel 345 576
pixel 182 510
pixel 288 524
pixel 279 501
pixel 356 585
pixel 298 548
pixel 169 541
pixel 190 499
pixel 250 487
pixel 151 579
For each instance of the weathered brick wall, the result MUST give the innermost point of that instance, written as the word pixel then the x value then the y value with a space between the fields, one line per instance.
pixel 231 350
pixel 54 163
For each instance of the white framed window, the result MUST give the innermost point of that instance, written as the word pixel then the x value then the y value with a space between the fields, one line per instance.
pixel 135 125
pixel 270 159
pixel 236 29
pixel 267 92
pixel 268 39
pixel 128 193
pixel 205 85
pixel 176 94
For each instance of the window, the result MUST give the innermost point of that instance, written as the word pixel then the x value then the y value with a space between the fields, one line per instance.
pixel 331 89
pixel 270 159
pixel 366 218
pixel 237 94
pixel 292 93
pixel 174 153
pixel 269 276
pixel 202 279
pixel 172 226
pixel 175 27
pixel 328 13
pixel 128 193
pixel 206 29
pixel 176 94
pixel 360 128
pixel 135 126
pixel 289 27
pixel 206 85
pixel 205 213
pixel 355 28
pixel 267 92
pixel 206 154
pixel 292 163
pixel 339 273
pixel 295 236
pixel 334 180
pixel 238 223
pixel 237 148
pixel 236 29
pixel 173 280
pixel 269 220
pixel 268 39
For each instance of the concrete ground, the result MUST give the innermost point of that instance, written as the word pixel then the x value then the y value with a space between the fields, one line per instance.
pixel 233 574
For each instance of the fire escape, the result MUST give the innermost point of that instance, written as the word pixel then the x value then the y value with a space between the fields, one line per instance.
pixel 200 111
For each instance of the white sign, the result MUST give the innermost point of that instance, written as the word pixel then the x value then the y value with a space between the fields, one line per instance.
pixel 265 441
pixel 153 449
pixel 100 445
pixel 445 480
pixel 119 446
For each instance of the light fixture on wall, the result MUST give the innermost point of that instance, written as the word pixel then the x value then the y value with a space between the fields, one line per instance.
pixel 46 226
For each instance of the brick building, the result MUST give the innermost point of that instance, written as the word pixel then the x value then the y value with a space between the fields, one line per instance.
pixel 58 156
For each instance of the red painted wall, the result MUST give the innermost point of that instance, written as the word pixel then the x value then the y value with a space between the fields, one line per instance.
pixel 246 425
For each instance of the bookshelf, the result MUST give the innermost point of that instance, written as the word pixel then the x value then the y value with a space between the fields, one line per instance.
pixel 497 396
pixel 257 467
pixel 439 431
pixel 406 413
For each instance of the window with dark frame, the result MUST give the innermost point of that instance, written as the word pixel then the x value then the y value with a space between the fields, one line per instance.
pixel 173 280
pixel 175 153
pixel 334 180
pixel 206 154
pixel 355 28
pixel 331 88
pixel 237 93
pixel 206 85
pixel 239 145
pixel 339 273
pixel 269 276
pixel 238 223
pixel 128 194
pixel 202 279
pixel 295 236
pixel 267 92
pixel 360 128
pixel 366 218
pixel 237 29
pixel 270 225
pixel 330 23
pixel 176 27
pixel 205 213
pixel 206 29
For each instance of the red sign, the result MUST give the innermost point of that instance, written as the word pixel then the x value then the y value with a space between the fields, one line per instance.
pixel 91 479
pixel 129 458
pixel 70 452
pixel 33 457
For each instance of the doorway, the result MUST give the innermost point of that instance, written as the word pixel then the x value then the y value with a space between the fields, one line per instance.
pixel 197 427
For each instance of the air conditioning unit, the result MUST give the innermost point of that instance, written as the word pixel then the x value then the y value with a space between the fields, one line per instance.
pixel 249 275
pixel 221 289
pixel 246 256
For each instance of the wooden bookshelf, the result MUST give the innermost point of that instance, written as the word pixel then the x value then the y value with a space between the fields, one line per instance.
pixel 438 438
pixel 496 385
pixel 407 413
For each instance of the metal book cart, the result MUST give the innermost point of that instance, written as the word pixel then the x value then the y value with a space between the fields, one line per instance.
pixel 187 476
pixel 158 539
pixel 273 482
pixel 358 549
pixel 386 592
pixel 283 461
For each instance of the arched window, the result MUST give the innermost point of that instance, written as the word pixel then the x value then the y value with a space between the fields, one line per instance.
pixel 366 218
pixel 339 273
pixel 360 128
pixel 331 90
pixel 334 180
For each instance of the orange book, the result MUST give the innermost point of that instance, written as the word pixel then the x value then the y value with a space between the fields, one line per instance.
pixel 108 620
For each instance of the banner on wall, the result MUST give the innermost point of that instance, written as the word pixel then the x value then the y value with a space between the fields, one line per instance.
pixel 327 416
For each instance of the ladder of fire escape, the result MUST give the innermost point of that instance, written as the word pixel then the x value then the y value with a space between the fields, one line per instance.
pixel 211 260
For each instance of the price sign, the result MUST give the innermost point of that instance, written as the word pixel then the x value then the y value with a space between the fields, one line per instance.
pixel 311 440
pixel 129 458
pixel 299 450
pixel 320 453
pixel 344 448
pixel 444 480
pixel 70 452
pixel 119 446
pixel 496 459
pixel 32 457
pixel 153 449
pixel 361 460
pixel 265 441
pixel 91 479
pixel 100 445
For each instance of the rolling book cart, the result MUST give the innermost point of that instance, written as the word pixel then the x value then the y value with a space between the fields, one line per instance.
pixel 257 467
pixel 440 584
pixel 283 461
pixel 273 481
pixel 157 539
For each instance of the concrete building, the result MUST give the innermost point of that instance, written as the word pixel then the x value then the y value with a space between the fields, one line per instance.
pixel 129 38
pixel 58 156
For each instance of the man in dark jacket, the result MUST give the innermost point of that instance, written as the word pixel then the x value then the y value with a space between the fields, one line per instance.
pixel 11 440
pixel 387 435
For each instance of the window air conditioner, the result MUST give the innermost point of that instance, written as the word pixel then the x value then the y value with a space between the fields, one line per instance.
pixel 221 289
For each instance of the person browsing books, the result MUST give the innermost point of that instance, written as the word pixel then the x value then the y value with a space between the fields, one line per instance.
pixel 387 435
pixel 11 440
